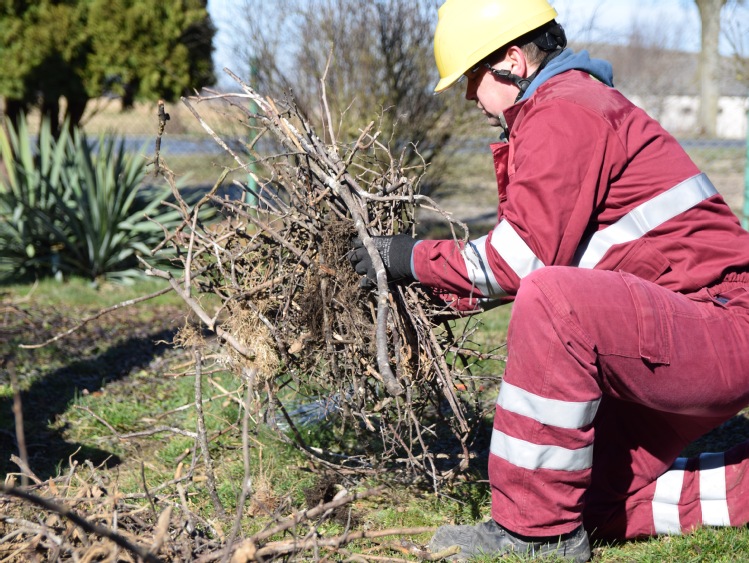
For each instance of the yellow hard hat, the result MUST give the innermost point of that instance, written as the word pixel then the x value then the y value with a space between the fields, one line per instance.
pixel 469 30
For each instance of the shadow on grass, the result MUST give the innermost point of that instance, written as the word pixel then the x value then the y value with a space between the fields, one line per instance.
pixel 50 395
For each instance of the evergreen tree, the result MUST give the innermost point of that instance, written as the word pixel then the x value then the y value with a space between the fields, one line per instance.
pixel 79 49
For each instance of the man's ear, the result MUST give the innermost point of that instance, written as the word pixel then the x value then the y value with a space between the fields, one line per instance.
pixel 516 57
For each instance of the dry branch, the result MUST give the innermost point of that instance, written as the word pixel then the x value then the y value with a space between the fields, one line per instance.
pixel 78 520
pixel 370 366
pixel 88 319
pixel 153 533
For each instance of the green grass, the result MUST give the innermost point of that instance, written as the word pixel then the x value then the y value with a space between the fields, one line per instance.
pixel 75 293
pixel 83 395
pixel 719 159
pixel 55 378
pixel 702 545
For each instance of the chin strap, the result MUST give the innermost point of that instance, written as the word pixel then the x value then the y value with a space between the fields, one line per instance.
pixel 519 81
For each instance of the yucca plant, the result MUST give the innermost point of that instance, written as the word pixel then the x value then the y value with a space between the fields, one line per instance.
pixel 106 216
pixel 76 206
pixel 30 197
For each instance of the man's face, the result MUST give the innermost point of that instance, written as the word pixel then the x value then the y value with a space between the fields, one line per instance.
pixel 491 94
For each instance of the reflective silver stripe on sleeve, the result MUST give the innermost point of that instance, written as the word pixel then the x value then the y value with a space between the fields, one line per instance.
pixel 477 266
pixel 510 246
pixel 666 499
pixel 713 490
pixel 535 456
pixel 646 217
pixel 563 414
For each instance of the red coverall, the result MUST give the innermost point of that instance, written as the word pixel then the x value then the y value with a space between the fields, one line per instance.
pixel 629 335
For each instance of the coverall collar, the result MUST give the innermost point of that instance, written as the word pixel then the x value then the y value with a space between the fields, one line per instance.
pixel 567 60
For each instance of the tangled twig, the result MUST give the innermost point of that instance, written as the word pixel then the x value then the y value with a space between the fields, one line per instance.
pixel 373 365
pixel 141 552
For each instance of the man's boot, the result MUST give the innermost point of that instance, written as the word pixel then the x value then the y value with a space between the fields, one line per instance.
pixel 489 538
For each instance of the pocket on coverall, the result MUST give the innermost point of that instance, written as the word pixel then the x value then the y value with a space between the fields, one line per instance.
pixel 653 314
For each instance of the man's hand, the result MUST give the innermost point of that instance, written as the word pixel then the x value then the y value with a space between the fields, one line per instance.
pixel 396 255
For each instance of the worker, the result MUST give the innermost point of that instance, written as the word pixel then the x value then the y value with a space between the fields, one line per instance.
pixel 629 276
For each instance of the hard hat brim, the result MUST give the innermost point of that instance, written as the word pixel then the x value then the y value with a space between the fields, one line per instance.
pixel 447 83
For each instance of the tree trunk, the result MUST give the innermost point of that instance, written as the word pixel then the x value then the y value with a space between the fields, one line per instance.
pixel 75 108
pixel 50 108
pixel 709 66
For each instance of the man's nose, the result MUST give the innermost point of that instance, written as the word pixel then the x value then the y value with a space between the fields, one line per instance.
pixel 470 91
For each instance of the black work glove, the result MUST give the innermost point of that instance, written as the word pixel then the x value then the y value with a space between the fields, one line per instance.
pixel 396 255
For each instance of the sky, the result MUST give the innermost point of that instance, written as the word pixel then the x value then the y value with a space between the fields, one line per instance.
pixel 611 20
pixel 587 20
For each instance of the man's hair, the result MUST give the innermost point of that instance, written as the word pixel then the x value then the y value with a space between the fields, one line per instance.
pixel 536 44
pixel 533 53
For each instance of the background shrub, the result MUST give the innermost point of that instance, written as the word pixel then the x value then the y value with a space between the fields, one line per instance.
pixel 70 205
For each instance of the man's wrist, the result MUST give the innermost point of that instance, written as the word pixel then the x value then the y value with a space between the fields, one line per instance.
pixel 397 257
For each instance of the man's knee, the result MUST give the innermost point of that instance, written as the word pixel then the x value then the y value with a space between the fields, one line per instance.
pixel 540 297
pixel 566 283
pixel 543 282
pixel 566 294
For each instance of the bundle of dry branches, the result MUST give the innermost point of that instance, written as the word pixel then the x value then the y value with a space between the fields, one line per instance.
pixel 379 371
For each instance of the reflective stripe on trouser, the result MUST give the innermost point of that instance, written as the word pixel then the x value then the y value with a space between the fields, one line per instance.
pixel 605 385
pixel 711 494
pixel 706 490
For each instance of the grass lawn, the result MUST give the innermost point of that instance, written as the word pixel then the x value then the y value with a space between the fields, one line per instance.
pixel 109 413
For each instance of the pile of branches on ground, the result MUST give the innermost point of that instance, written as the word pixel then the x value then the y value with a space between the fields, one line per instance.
pixel 381 371
pixel 82 515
